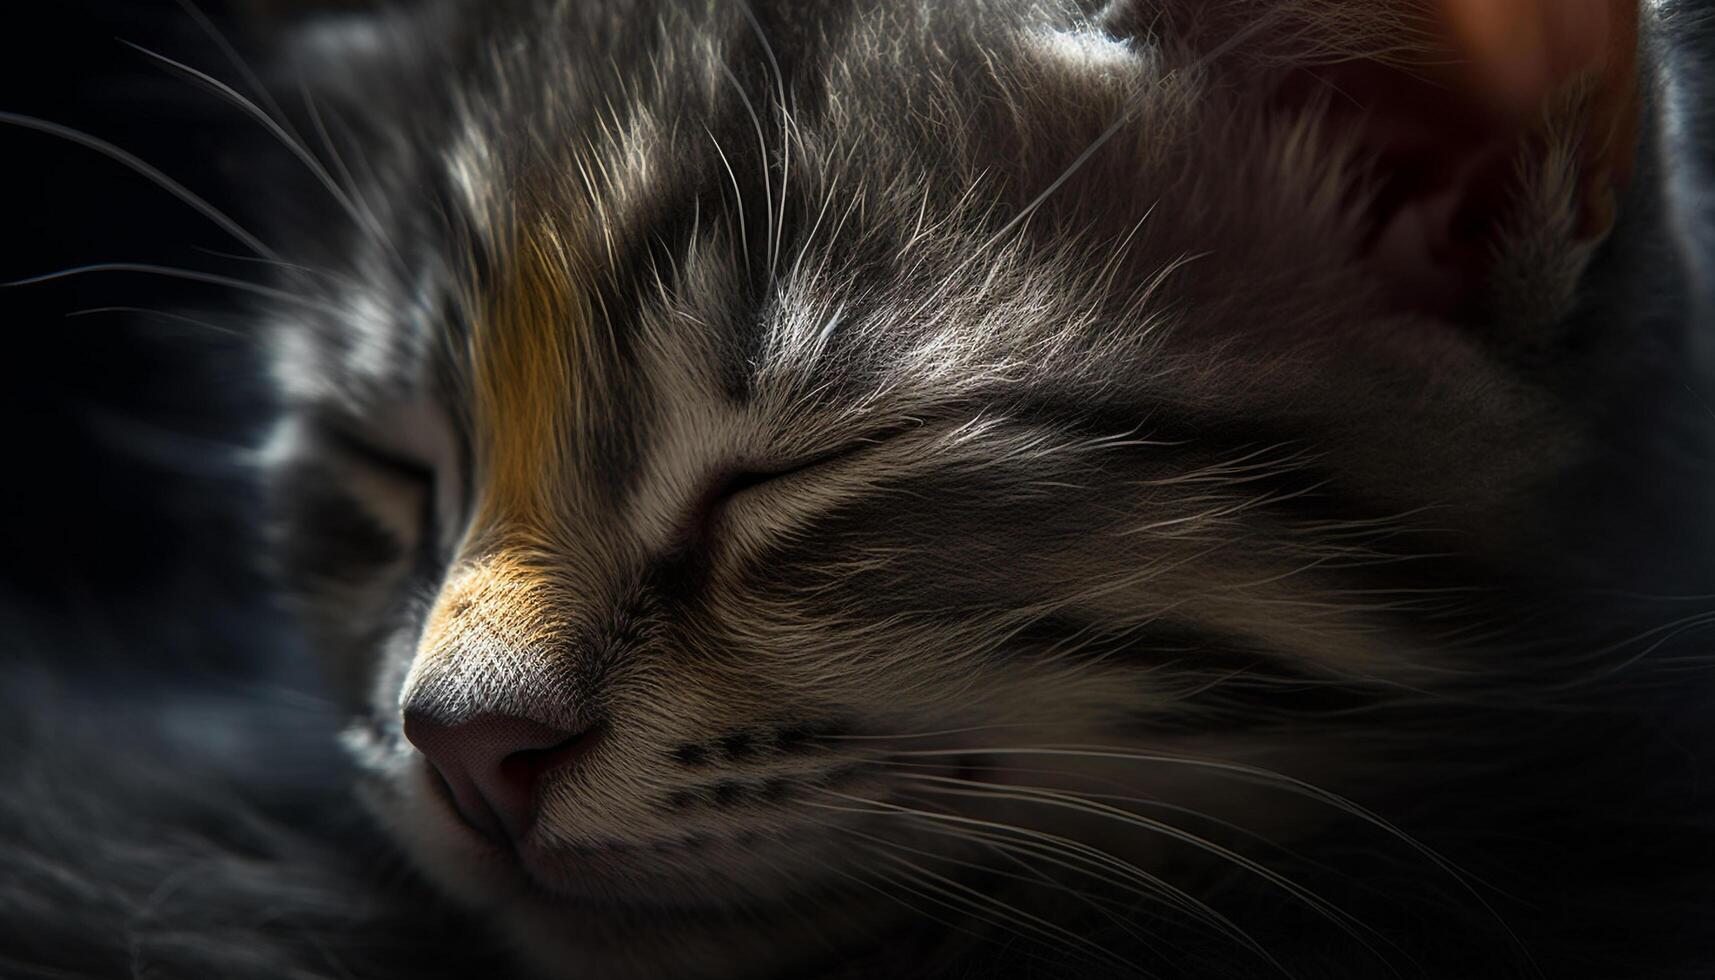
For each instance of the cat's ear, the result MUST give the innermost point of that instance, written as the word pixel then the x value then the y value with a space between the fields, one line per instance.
pixel 1489 128
pixel 1524 60
pixel 1525 134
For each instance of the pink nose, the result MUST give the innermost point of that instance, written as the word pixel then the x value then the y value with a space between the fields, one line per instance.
pixel 493 764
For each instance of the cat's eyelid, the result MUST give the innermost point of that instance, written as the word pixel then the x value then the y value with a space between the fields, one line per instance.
pixel 408 445
pixel 370 451
pixel 748 477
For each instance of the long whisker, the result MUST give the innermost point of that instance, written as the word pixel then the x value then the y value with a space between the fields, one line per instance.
pixel 812 927
pixel 1237 770
pixel 762 152
pixel 870 882
pixel 1092 862
pixel 872 875
pixel 1226 825
pixel 272 125
pixel 1032 875
pixel 374 223
pixel 779 220
pixel 1348 923
pixel 170 272
pixel 165 315
pixel 1660 635
pixel 1036 877
pixel 147 171
pixel 952 890
pixel 215 34
pixel 297 269
pixel 1121 918
pixel 1039 841
pixel 737 201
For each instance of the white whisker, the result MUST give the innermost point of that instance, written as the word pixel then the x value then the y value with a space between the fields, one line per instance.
pixel 147 171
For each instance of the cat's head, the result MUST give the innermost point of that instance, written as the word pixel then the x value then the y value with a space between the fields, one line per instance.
pixel 766 462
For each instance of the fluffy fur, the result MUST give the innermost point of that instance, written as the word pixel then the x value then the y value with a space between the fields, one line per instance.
pixel 954 456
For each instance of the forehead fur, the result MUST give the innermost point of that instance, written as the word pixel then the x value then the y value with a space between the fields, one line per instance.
pixel 732 232
pixel 532 360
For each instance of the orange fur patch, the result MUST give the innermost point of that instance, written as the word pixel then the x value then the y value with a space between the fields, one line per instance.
pixel 502 601
pixel 532 381
pixel 530 360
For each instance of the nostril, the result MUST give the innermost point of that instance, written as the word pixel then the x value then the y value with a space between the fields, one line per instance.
pixel 528 766
pixel 493 764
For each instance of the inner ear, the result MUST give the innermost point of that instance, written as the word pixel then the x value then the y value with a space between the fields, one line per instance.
pixel 1437 169
pixel 1477 126
pixel 1527 91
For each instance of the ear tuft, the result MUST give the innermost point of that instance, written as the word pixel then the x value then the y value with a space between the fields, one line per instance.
pixel 1518 57
pixel 1551 92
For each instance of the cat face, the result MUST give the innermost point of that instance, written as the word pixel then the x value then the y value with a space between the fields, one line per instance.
pixel 760 468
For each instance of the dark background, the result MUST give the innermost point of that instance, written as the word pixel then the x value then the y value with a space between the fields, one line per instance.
pixel 125 433
pixel 173 801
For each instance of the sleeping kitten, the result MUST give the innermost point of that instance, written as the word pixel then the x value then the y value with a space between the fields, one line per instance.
pixel 1005 488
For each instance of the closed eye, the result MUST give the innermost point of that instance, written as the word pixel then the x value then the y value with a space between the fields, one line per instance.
pixel 389 463
pixel 745 481
pixel 749 479
pixel 396 491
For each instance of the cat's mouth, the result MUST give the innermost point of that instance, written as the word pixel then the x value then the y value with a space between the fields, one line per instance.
pixel 697 870
pixel 765 884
